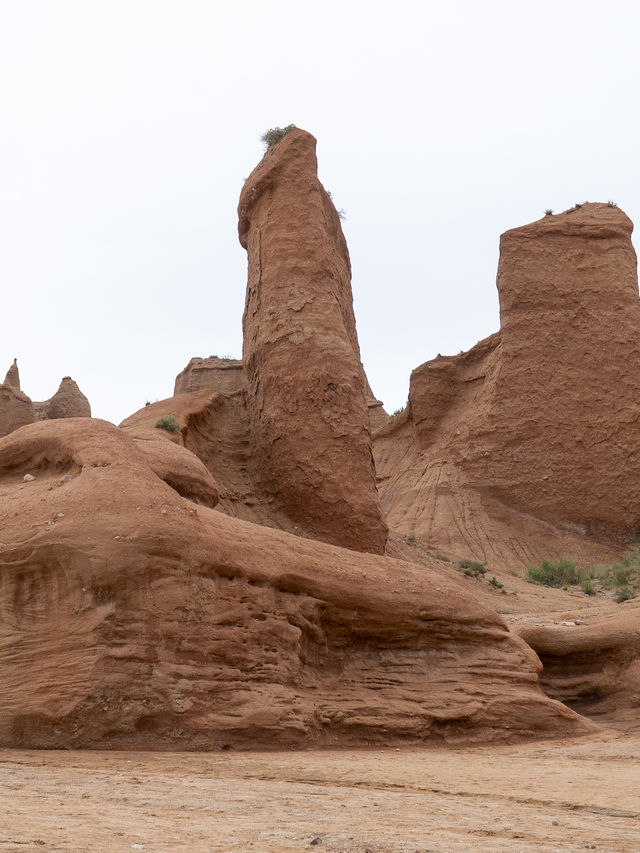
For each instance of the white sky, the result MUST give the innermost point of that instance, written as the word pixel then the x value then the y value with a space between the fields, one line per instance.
pixel 129 125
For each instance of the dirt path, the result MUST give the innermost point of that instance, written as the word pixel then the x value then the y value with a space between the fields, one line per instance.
pixel 543 797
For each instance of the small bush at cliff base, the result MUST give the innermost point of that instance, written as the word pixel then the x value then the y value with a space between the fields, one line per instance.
pixel 554 574
pixel 624 594
pixel 275 134
pixel 169 423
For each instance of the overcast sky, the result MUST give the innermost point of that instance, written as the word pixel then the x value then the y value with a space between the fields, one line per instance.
pixel 128 127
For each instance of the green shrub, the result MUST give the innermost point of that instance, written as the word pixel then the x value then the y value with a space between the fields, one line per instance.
pixel 588 587
pixel 621 575
pixel 472 568
pixel 442 557
pixel 169 423
pixel 275 134
pixel 495 582
pixel 554 574
pixel 624 594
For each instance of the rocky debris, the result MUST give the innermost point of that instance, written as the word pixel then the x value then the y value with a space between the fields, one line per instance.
pixel 516 449
pixel 308 415
pixel 213 373
pixel 67 402
pixel 139 620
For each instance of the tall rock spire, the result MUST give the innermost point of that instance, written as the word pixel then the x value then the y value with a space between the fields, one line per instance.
pixel 306 386
pixel 13 376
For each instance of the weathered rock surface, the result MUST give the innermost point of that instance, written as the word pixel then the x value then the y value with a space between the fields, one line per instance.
pixel 309 424
pixel 67 402
pixel 594 667
pixel 213 373
pixel 13 376
pixel 16 409
pixel 519 447
pixel 214 427
pixel 133 617
pixel 227 376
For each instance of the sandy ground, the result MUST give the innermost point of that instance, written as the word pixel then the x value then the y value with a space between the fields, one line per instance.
pixel 545 796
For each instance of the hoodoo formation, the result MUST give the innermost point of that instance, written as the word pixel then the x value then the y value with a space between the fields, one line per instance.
pixel 306 384
pixel 231 581
pixel 16 409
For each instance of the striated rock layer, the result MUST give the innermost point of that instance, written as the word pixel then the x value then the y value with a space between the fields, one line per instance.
pixel 593 668
pixel 216 374
pixel 306 398
pixel 527 438
pixel 134 617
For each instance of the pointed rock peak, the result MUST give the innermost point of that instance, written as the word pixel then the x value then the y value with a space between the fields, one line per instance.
pixel 68 402
pixel 13 376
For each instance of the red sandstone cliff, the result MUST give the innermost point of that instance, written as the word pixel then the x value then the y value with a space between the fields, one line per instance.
pixel 517 449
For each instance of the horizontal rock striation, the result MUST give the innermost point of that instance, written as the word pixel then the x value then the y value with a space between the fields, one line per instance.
pixel 134 618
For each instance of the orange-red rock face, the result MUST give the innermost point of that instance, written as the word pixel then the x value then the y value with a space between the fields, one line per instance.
pixel 559 431
pixel 131 616
pixel 516 449
pixel 306 387
pixel 217 374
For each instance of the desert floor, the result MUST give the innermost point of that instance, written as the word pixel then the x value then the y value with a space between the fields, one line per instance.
pixel 545 796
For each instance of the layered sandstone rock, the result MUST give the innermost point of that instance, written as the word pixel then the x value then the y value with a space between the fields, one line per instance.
pixel 307 406
pixel 593 667
pixel 517 449
pixel 132 617
pixel 227 376
pixel 67 402
pixel 557 433
pixel 213 373
pixel 214 427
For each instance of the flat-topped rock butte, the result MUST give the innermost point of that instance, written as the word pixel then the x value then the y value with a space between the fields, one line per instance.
pixel 276 569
